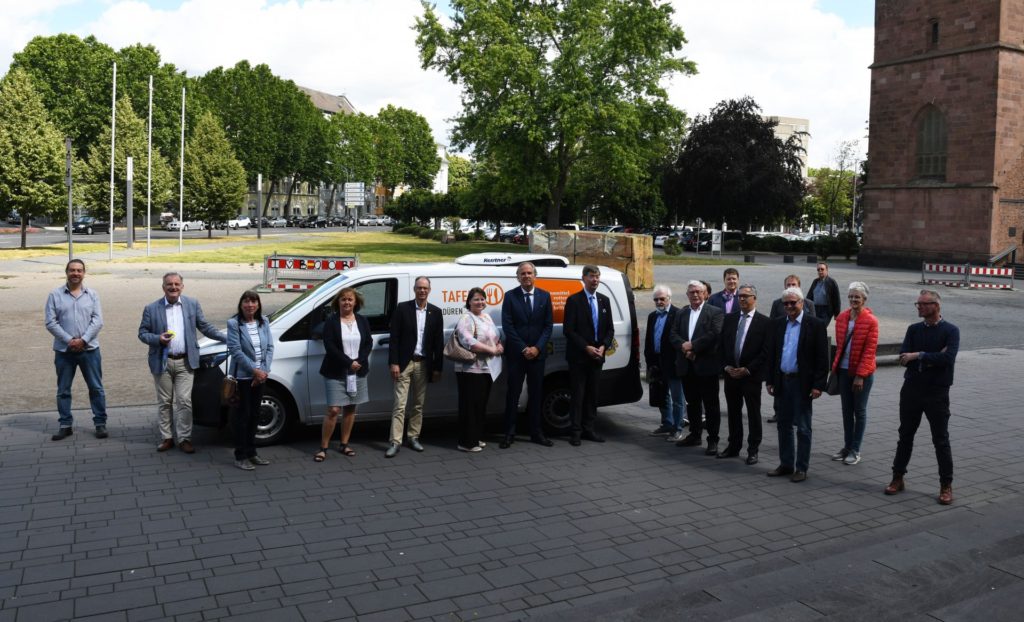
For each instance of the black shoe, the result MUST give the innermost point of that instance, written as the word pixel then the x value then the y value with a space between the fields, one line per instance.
pixel 798 476
pixel 542 440
pixel 752 458
pixel 780 471
pixel 712 449
pixel 591 436
pixel 772 419
pixel 691 440
pixel 507 441
pixel 101 431
pixel 728 453
pixel 574 441
pixel 61 434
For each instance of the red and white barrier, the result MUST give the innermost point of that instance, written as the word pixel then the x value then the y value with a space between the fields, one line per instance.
pixel 298 273
pixel 974 277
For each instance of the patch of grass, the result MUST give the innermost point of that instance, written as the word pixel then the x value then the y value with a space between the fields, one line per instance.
pixel 370 247
pixel 96 247
pixel 691 260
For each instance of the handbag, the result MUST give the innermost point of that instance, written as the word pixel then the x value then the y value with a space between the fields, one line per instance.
pixel 833 376
pixel 454 351
pixel 229 388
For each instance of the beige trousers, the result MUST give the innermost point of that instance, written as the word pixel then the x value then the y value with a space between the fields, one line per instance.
pixel 174 388
pixel 412 379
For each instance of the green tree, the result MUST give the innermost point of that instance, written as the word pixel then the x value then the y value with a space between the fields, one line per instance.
pixel 353 152
pixel 460 173
pixel 548 85
pixel 732 168
pixel 416 153
pixel 31 153
pixel 832 191
pixel 74 78
pixel 94 172
pixel 135 64
pixel 215 186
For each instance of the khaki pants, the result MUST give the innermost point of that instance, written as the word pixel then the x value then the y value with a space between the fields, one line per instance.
pixel 174 387
pixel 414 374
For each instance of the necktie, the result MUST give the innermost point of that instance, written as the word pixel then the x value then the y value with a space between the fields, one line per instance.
pixel 593 314
pixel 728 303
pixel 529 302
pixel 740 329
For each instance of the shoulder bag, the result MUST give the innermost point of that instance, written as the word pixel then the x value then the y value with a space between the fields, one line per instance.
pixel 833 376
pixel 454 351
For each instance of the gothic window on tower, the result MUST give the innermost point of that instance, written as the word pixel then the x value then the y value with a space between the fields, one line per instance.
pixel 933 33
pixel 931 144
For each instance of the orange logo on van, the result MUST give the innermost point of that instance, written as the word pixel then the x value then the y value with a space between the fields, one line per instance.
pixel 495 293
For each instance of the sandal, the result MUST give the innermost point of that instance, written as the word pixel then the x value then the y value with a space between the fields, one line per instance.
pixel 321 455
pixel 345 450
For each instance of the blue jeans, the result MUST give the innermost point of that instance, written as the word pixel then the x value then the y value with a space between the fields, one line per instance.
pixel 855 409
pixel 672 413
pixel 794 411
pixel 92 370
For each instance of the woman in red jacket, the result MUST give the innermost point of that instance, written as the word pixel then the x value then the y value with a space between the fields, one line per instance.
pixel 857 341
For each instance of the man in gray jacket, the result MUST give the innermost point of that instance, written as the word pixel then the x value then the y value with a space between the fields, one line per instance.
pixel 169 328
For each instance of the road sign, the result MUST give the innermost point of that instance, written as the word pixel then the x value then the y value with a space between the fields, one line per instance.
pixel 355 194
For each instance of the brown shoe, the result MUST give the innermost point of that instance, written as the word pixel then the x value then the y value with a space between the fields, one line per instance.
pixel 798 476
pixel 895 486
pixel 167 443
pixel 186 446
pixel 946 494
pixel 780 471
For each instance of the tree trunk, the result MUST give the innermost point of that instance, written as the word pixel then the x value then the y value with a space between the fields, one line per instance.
pixel 288 199
pixel 24 230
pixel 330 205
pixel 270 193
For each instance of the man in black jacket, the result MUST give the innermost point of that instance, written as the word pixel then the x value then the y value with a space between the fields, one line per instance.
pixel 694 337
pixel 744 348
pixel 798 373
pixel 415 358
pixel 588 329
pixel 660 357
pixel 824 291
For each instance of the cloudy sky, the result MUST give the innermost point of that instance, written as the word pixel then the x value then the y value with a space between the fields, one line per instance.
pixel 798 58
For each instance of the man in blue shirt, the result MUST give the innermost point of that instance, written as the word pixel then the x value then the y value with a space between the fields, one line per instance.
pixel 929 353
pixel 74 318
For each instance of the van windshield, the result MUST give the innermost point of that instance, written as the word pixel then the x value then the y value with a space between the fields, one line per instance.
pixel 337 278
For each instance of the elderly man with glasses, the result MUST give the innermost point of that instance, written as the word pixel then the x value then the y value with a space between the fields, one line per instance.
pixel 660 357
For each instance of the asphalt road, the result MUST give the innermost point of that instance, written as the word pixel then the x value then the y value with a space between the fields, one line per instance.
pixel 43 237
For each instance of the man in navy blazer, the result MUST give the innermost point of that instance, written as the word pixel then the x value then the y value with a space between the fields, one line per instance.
pixel 415 357
pixel 726 299
pixel 744 348
pixel 694 337
pixel 169 327
pixel 660 357
pixel 526 320
pixel 588 331
pixel 798 365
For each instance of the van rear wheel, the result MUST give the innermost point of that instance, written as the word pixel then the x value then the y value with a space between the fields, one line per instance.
pixel 555 407
pixel 276 412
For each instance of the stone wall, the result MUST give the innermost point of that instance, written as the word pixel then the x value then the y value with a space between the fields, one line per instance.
pixel 632 254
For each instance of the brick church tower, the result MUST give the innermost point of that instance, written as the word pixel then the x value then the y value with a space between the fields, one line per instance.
pixel 946 151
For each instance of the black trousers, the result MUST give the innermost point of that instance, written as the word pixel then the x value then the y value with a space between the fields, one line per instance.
pixel 245 418
pixel 933 403
pixel 474 391
pixel 738 393
pixel 519 369
pixel 583 377
pixel 702 391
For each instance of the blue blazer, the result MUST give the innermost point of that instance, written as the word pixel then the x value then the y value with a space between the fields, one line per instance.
pixel 243 353
pixel 523 327
pixel 154 324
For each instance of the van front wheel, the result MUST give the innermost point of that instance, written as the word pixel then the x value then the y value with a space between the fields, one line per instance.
pixel 555 408
pixel 276 411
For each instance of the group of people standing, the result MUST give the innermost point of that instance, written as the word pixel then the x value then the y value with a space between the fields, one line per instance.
pixel 723 335
pixel 687 350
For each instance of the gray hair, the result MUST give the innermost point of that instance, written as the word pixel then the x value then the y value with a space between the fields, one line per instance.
pixel 421 278
pixel 695 283
pixel 526 263
pixel 934 294
pixel 793 291
pixel 169 274
pixel 860 287
pixel 665 289
pixel 753 290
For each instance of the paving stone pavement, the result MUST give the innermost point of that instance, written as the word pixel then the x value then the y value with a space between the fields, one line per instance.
pixel 632 529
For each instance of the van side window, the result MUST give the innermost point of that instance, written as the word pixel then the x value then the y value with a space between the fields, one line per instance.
pixel 379 300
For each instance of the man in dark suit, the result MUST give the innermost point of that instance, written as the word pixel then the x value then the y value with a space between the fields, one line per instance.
pixel 526 320
pixel 660 357
pixel 588 331
pixel 824 291
pixel 694 337
pixel 726 299
pixel 744 349
pixel 415 358
pixel 797 372
pixel 779 311
pixel 169 327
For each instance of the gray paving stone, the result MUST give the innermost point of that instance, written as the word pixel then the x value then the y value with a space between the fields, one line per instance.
pixel 126 599
pixel 382 600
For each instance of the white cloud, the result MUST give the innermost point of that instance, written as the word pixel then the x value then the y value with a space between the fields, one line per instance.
pixel 792 58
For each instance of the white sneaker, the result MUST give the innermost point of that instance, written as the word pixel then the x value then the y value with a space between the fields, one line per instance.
pixel 841 454
pixel 471 449
pixel 852 458
pixel 676 437
pixel 481 444
pixel 245 465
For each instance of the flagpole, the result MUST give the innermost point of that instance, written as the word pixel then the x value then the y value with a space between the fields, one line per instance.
pixel 149 174
pixel 181 176
pixel 113 133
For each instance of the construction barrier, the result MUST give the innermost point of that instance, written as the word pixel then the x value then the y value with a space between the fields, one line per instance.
pixel 294 272
pixel 966 275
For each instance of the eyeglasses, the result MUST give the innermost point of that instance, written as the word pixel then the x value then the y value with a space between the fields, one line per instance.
pixel 660 298
pixel 924 304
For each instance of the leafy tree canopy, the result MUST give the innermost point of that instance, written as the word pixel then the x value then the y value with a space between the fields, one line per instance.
pixel 415 152
pixel 215 186
pixel 548 85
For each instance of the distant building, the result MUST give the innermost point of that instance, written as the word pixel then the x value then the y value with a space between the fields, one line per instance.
pixel 946 157
pixel 788 126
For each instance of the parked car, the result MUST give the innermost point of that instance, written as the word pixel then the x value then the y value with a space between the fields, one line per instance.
pixel 368 220
pixel 240 222
pixel 297 329
pixel 336 221
pixel 295 220
pixel 274 223
pixel 188 225
pixel 89 225
pixel 314 222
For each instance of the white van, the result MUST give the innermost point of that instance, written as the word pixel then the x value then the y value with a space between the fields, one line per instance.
pixel 295 390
